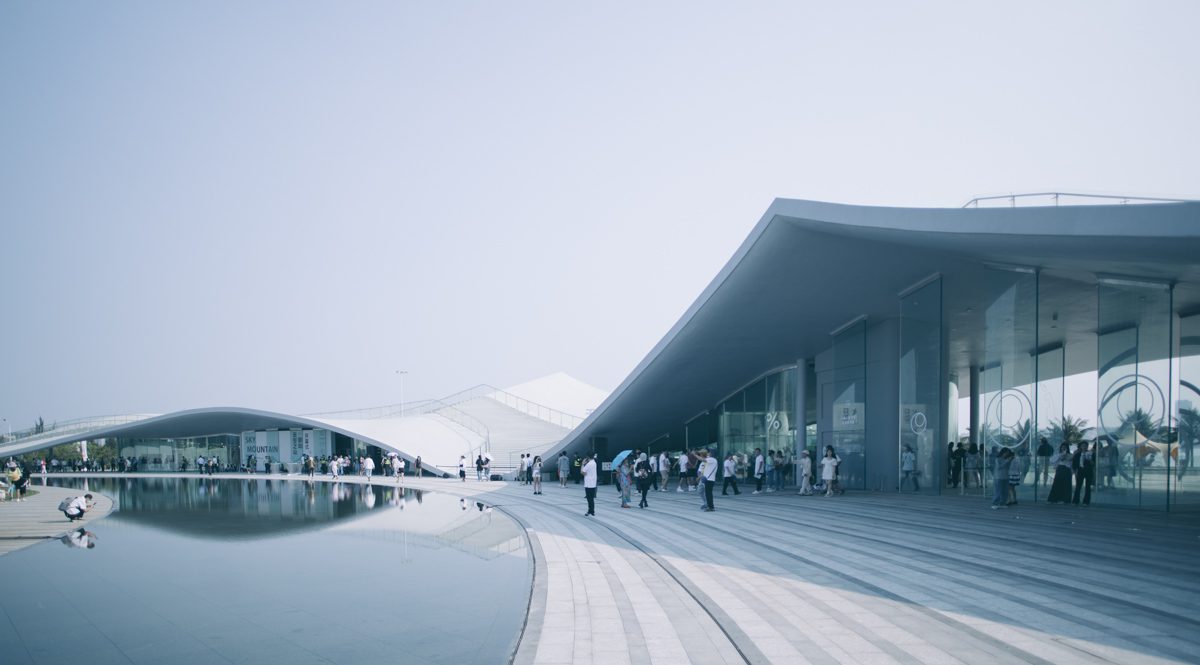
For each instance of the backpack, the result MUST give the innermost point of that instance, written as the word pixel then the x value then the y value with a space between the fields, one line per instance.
pixel 66 503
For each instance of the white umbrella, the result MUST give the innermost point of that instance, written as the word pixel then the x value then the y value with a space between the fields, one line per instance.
pixel 392 455
pixel 487 456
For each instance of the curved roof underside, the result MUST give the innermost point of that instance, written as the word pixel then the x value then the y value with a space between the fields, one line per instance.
pixel 807 268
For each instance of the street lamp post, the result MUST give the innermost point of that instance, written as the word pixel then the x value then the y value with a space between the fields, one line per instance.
pixel 401 373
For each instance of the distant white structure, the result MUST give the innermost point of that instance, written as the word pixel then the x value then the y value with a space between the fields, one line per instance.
pixel 528 418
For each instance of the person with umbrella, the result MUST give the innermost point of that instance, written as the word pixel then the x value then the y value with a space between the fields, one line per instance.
pixel 624 481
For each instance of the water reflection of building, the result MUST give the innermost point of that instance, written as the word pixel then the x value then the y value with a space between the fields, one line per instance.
pixel 213 508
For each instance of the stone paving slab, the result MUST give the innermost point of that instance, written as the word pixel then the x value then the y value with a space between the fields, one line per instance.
pixel 860 578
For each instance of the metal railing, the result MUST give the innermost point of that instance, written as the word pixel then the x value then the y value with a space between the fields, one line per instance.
pixel 74 426
pixel 1063 198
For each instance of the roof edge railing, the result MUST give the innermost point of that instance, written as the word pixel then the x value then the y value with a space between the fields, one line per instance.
pixel 1058 197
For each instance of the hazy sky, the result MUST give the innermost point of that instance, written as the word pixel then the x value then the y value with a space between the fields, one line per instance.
pixel 277 205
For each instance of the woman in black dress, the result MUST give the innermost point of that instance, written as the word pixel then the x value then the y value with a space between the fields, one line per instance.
pixel 1060 491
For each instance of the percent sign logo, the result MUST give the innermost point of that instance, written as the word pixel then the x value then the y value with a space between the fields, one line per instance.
pixel 773 421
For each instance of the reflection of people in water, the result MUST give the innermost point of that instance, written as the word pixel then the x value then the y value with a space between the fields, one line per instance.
pixel 462 503
pixel 79 538
pixel 369 497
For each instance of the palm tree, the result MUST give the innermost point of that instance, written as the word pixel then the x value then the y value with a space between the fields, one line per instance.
pixel 1068 430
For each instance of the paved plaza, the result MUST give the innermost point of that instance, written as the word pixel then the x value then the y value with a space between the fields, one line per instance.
pixel 861 578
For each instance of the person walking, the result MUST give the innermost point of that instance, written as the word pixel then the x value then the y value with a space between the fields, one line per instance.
pixel 1016 470
pixel 564 469
pixel 624 482
pixel 780 470
pixel 1044 451
pixel 368 465
pixel 683 468
pixel 1000 478
pixel 479 468
pixel 829 465
pixel 730 476
pixel 1084 465
pixel 805 474
pixel 653 463
pixel 537 474
pixel 664 469
pixel 708 473
pixel 462 468
pixel 1060 490
pixel 908 469
pixel 760 468
pixel 957 456
pixel 644 474
pixel 529 469
pixel 417 467
pixel 19 480
pixel 588 471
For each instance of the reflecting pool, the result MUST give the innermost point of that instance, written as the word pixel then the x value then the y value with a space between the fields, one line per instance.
pixel 196 570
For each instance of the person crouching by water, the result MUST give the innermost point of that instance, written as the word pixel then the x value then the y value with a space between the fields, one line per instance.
pixel 78 506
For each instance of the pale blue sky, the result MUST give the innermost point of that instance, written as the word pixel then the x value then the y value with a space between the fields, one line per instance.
pixel 276 205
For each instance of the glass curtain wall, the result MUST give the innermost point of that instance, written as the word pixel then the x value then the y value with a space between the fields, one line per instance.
pixel 921 398
pixel 847 406
pixel 1135 431
pixel 1006 377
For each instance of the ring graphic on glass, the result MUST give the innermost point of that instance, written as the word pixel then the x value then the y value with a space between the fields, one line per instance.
pixel 1008 419
pixel 1129 395
pixel 918 422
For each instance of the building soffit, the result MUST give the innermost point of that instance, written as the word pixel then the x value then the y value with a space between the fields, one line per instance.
pixel 809 266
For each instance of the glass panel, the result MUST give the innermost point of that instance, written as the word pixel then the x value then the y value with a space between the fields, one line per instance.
pixel 1135 413
pixel 848 406
pixel 1186 488
pixel 1007 383
pixel 921 399
pixel 780 426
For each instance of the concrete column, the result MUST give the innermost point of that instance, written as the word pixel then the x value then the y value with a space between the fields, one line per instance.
pixel 800 415
pixel 975 405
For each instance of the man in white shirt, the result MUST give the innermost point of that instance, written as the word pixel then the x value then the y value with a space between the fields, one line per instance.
pixel 760 467
pixel 730 476
pixel 78 506
pixel 654 472
pixel 368 467
pixel 708 472
pixel 683 467
pixel 589 485
pixel 664 468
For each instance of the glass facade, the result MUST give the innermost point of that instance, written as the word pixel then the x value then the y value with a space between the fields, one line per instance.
pixel 762 416
pixel 1009 358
